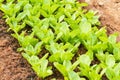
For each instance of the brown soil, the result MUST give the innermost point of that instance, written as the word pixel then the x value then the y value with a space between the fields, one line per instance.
pixel 14 67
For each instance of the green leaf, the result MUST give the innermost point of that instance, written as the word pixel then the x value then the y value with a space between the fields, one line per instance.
pixel 44 70
pixel 110 61
pixel 75 64
pixel 21 16
pixel 110 74
pixel 38 47
pixel 116 52
pixel 61 18
pixel 7 9
pixel 55 57
pixel 117 69
pixel 39 65
pixel 101 32
pixel 101 56
pixel 67 64
pixel 73 75
pixel 68 14
pixel 90 54
pixel 85 26
pixel 19 5
pixel 100 46
pixel 43 13
pixel 30 50
pixel 33 60
pixel 112 38
pixel 85 59
pixel 61 68
pixel 66 56
pixel 26 40
pixel 82 4
pixel 54 8
pixel 94 76
pixel 90 14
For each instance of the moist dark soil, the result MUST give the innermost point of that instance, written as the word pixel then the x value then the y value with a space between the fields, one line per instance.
pixel 14 67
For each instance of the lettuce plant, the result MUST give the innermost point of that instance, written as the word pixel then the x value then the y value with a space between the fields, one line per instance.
pixel 39 65
pixel 67 68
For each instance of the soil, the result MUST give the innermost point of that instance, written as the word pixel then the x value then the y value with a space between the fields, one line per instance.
pixel 14 67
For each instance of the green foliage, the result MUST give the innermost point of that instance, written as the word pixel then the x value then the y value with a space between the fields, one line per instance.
pixel 61 52
pixel 60 27
pixel 67 68
pixel 39 65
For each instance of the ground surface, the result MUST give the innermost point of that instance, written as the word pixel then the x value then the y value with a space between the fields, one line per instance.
pixel 14 67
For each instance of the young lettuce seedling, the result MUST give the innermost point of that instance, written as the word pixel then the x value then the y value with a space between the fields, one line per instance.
pixel 39 65
pixel 61 52
pixel 25 41
pixel 66 69
pixel 113 73
pixel 31 50
pixel 91 72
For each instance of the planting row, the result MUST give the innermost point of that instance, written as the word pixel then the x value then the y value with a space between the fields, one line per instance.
pixel 52 31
